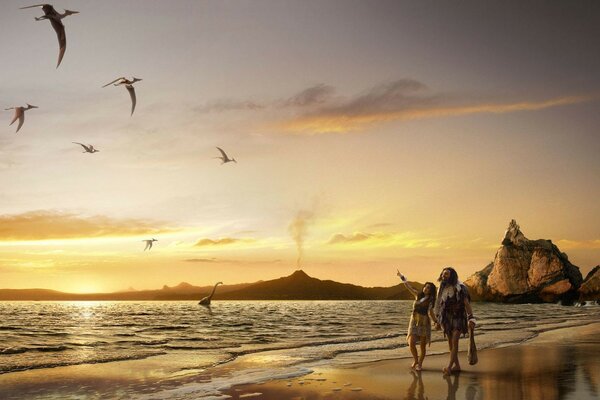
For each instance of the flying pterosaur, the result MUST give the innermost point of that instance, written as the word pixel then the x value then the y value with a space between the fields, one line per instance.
pixel 224 157
pixel 55 20
pixel 129 86
pixel 87 148
pixel 20 114
pixel 149 243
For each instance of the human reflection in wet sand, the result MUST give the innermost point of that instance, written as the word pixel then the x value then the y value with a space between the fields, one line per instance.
pixel 416 388
pixel 452 381
pixel 472 391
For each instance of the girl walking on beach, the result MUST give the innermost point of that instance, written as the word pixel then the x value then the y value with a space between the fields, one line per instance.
pixel 419 328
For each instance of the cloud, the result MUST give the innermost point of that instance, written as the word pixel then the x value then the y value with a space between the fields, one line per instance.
pixel 356 237
pixel 224 105
pixel 404 99
pixel 313 95
pixel 317 94
pixel 225 261
pixel 202 260
pixel 565 244
pixel 406 240
pixel 217 242
pixel 315 109
pixel 49 224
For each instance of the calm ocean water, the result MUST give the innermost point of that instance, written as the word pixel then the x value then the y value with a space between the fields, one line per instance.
pixel 287 334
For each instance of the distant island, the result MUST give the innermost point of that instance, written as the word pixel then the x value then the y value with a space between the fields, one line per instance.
pixel 297 286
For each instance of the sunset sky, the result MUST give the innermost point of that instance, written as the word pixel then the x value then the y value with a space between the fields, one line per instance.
pixel 369 135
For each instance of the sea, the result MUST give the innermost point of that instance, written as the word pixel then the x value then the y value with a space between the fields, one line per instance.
pixel 179 349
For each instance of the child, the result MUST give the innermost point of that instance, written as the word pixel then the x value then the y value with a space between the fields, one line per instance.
pixel 419 328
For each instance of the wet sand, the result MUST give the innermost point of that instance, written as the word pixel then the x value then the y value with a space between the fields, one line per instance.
pixel 561 364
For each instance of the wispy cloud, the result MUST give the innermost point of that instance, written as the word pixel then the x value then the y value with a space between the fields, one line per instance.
pixel 218 242
pixel 404 99
pixel 378 239
pixel 318 94
pixel 203 260
pixel 317 110
pixel 565 244
pixel 224 105
pixel 215 260
pixel 353 238
pixel 314 95
pixel 50 224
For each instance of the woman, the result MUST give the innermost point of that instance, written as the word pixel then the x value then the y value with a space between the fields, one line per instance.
pixel 419 328
pixel 453 312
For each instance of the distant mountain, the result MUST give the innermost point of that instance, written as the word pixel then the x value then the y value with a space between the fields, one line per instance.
pixel 298 286
pixel 183 291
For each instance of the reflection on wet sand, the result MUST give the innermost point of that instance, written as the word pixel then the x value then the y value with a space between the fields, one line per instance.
pixel 556 371
pixel 416 390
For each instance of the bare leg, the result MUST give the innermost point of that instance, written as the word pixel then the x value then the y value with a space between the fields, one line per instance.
pixel 454 352
pixel 454 365
pixel 447 369
pixel 423 352
pixel 412 343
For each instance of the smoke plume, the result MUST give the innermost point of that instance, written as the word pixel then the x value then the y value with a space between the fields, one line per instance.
pixel 298 229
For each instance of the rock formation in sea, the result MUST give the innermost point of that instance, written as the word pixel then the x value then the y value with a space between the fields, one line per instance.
pixel 526 270
pixel 590 288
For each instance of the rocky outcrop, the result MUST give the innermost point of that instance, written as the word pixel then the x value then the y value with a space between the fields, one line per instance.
pixel 590 288
pixel 526 271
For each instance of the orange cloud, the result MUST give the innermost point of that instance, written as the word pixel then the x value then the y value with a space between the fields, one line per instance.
pixel 218 242
pixel 356 237
pixel 341 122
pixel 402 240
pixel 49 224
pixel 578 244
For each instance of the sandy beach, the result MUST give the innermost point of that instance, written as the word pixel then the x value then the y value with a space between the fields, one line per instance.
pixel 560 364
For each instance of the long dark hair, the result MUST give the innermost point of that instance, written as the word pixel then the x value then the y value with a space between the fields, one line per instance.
pixel 452 281
pixel 432 295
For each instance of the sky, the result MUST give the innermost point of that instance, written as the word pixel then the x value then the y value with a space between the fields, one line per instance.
pixel 369 136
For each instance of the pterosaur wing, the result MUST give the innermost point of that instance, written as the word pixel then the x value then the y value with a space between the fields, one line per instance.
pixel 131 91
pixel 110 83
pixel 222 152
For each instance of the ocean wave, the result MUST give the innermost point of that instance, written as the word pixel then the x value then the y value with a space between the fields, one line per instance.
pixel 5 368
pixel 45 349
pixel 150 342
pixel 10 328
pixel 300 345
pixel 184 347
pixel 97 343
pixel 164 328
pixel 13 350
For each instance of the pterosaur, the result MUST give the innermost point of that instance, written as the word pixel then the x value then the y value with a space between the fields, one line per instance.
pixel 129 86
pixel 20 114
pixel 55 20
pixel 224 157
pixel 149 243
pixel 87 148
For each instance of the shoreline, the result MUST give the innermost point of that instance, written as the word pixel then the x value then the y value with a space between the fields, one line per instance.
pixel 556 364
pixel 159 377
